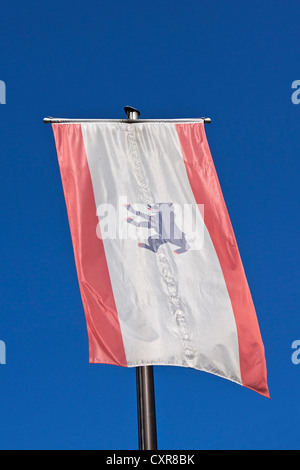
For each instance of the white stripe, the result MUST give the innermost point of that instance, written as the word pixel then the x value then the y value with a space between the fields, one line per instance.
pixel 173 309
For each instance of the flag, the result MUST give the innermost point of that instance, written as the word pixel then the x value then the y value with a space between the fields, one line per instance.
pixel 160 274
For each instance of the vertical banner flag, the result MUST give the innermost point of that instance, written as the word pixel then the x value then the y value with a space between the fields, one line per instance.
pixel 160 274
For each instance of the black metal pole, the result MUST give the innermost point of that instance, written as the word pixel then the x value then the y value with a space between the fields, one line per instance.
pixel 146 408
pixel 144 378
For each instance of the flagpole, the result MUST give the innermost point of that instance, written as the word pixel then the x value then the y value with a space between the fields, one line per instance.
pixel 144 377
pixel 146 408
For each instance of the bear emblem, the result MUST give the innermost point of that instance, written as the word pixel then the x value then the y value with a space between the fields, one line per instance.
pixel 161 218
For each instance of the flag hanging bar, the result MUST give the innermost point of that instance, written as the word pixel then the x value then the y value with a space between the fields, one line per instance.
pixel 52 120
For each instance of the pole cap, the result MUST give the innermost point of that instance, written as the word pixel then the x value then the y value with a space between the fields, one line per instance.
pixel 129 110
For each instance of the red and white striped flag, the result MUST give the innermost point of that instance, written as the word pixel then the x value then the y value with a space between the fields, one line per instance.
pixel 159 269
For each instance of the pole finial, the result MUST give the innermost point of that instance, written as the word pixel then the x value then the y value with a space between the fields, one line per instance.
pixel 132 113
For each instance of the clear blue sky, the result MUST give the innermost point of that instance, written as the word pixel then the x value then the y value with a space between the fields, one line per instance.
pixel 232 61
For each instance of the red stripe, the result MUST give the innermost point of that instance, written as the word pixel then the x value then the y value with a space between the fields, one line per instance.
pixel 206 188
pixel 105 338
